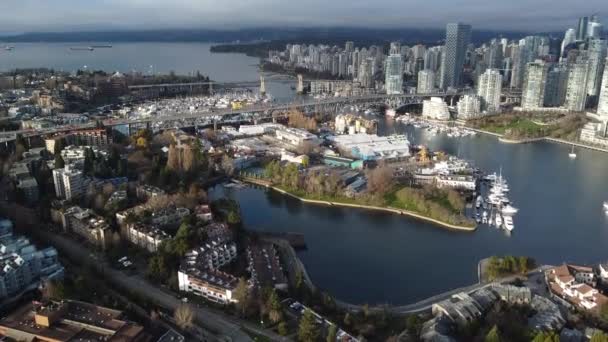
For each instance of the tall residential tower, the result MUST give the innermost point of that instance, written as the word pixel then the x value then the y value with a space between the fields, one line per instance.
pixel 457 39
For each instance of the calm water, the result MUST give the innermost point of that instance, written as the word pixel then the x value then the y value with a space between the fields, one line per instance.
pixel 183 58
pixel 369 257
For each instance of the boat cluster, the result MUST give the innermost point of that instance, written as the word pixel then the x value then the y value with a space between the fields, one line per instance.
pixel 196 104
pixel 434 128
pixel 496 207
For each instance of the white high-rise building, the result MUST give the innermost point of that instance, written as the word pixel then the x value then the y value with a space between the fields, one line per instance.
pixel 533 92
pixel 602 107
pixel 426 81
pixel 569 38
pixel 489 89
pixel 469 107
pixel 393 77
pixel 436 109
pixel 596 51
pixel 69 182
pixel 576 95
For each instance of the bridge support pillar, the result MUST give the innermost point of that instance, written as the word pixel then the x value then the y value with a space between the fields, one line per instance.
pixel 148 126
pixel 214 125
pixel 274 119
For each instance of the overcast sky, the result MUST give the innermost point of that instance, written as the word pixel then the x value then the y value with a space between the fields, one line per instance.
pixel 68 15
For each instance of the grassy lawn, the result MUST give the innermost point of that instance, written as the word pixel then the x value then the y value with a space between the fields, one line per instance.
pixel 524 125
pixel 448 214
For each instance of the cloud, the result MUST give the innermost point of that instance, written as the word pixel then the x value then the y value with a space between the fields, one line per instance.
pixel 65 15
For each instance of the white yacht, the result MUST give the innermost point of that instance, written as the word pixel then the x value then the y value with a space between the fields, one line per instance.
pixel 478 202
pixel 508 223
pixel 509 210
pixel 498 220
pixel 572 155
pixel 606 206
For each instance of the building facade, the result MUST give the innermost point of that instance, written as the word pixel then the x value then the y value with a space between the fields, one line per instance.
pixel 69 182
pixel 533 92
pixel 457 39
pixel 436 109
pixel 469 107
pixel 489 90
pixel 576 94
pixel 602 107
pixel 426 81
pixel 393 77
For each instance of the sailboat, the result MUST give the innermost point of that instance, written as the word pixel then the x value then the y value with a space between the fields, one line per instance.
pixel 572 155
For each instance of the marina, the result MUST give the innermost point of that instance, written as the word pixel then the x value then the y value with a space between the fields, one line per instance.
pixel 545 185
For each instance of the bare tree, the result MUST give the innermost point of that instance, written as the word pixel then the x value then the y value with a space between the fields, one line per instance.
pixel 379 179
pixel 184 316
pixel 188 160
pixel 228 165
pixel 173 158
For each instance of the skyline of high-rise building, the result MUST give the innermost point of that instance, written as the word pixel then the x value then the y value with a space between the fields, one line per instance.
pixel 576 94
pixel 489 90
pixel 457 39
pixel 602 107
pixel 596 54
pixel 426 81
pixel 393 76
pixel 533 91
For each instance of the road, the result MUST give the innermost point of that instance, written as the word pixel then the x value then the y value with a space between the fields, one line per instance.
pixel 227 326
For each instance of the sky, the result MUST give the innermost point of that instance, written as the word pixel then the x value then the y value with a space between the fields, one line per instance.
pixel 85 15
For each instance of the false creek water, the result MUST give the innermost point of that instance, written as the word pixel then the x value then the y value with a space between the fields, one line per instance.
pixel 371 257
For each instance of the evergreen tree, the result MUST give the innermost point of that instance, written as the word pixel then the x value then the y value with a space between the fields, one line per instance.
pixel 332 333
pixel 308 330
pixel 599 337
pixel 59 162
pixel 275 312
pixel 493 335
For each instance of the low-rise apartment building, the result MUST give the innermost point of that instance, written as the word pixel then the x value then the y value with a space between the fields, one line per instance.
pixel 89 225
pixel 22 265
pixel 145 236
pixel 576 285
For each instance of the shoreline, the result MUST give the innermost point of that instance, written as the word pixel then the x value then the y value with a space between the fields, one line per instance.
pixel 363 206
pixel 502 139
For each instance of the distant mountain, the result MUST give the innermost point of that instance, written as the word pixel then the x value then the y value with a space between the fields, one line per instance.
pixel 406 35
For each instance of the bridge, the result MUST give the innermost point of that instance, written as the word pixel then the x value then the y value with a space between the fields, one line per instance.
pixel 256 112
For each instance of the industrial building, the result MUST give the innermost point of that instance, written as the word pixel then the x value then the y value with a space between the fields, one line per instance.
pixel 70 320
pixel 372 147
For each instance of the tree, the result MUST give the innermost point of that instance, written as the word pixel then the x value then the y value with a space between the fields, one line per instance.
pixel 413 325
pixel 59 162
pixel 184 316
pixel 599 336
pixel 379 179
pixel 173 160
pixel 282 329
pixel 332 333
pixel 275 310
pixel 543 336
pixel 307 330
pixel 228 165
pixel 347 319
pixel 493 335
pixel 188 160
pixel 53 290
pixel 59 145
pixel 242 296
